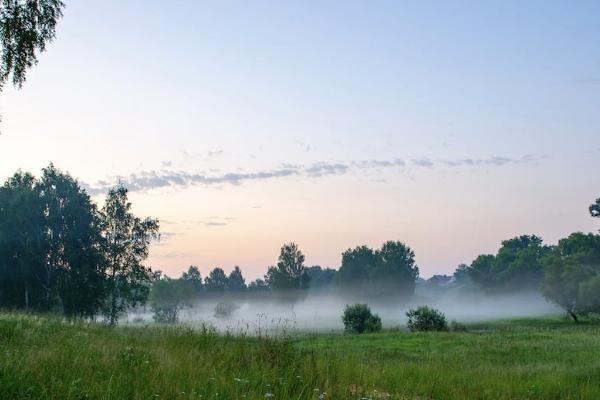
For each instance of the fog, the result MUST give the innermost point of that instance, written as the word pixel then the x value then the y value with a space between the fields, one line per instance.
pixel 321 311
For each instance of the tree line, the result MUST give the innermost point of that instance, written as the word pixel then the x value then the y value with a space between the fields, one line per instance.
pixel 60 252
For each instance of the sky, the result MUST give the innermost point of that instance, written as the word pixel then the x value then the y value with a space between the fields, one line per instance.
pixel 243 125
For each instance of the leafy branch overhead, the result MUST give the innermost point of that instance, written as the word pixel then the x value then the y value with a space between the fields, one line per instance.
pixel 26 27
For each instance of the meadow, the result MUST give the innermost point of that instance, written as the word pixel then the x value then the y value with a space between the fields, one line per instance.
pixel 544 358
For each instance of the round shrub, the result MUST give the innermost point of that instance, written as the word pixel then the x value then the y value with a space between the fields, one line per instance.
pixel 425 318
pixel 359 319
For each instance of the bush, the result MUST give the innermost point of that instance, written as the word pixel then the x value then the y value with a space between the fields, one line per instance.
pixel 359 319
pixel 457 326
pixel 426 319
pixel 225 309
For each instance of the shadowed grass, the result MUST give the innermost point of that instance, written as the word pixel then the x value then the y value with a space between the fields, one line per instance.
pixel 45 358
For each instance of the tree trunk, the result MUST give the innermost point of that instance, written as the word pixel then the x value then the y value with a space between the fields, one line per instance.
pixel 26 297
pixel 574 316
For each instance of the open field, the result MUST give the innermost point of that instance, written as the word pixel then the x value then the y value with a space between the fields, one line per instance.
pixel 45 358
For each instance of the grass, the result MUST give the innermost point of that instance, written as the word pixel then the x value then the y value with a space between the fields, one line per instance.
pixel 46 358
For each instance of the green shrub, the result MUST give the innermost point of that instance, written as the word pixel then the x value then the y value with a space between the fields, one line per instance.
pixel 457 326
pixel 359 319
pixel 426 319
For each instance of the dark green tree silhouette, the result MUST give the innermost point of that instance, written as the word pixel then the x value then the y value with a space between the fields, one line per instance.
pixel 236 281
pixel 290 273
pixel 75 262
pixel 216 281
pixel 127 241
pixel 23 245
pixel 26 28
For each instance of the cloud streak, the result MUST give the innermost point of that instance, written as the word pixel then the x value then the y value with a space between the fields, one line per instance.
pixel 154 179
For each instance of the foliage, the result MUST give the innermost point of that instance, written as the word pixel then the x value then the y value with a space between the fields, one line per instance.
pixel 516 266
pixel 290 273
pixel 26 27
pixel 168 297
pixel 127 241
pixel 456 326
pixel 320 277
pixel 225 309
pixel 595 209
pixel 236 281
pixel 424 318
pixel 193 281
pixel 359 319
pixel 216 281
pixel 388 272
pixel 572 274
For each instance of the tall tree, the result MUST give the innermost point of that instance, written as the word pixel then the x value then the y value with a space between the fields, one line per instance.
pixel 193 280
pixel 127 242
pixel 395 270
pixel 26 27
pixel 23 247
pixel 572 274
pixel 216 281
pixel 236 281
pixel 75 261
pixel 356 267
pixel 290 273
pixel 516 266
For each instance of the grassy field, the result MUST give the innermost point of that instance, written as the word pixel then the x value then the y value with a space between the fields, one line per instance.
pixel 45 358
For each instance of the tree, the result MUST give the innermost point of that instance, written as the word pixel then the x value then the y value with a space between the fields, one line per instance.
pixel 321 278
pixel 23 247
pixel 167 298
pixel 572 274
pixel 74 268
pixel 516 266
pixel 193 280
pixel 258 285
pixel 236 281
pixel 26 27
pixel 216 281
pixel 127 241
pixel 356 266
pixel 290 273
pixel 389 271
pixel 395 270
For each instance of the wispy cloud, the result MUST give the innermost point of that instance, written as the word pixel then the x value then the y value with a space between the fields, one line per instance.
pixel 154 179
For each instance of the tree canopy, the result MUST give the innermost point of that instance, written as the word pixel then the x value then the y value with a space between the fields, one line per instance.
pixel 26 28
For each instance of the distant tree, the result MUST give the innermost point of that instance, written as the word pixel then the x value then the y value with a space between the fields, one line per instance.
pixel 395 270
pixel 216 281
pixel 517 266
pixel 389 271
pixel 127 241
pixel 321 277
pixel 258 285
pixel 236 281
pixel 358 318
pixel 461 273
pixel 167 298
pixel 193 280
pixel 356 267
pixel 26 27
pixel 290 273
pixel 572 274
pixel 23 245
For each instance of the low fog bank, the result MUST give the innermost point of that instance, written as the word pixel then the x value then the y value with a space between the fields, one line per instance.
pixel 321 311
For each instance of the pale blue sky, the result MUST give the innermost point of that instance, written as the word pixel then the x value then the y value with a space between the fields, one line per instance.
pixel 448 125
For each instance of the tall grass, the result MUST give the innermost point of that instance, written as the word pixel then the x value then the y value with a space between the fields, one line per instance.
pixel 46 358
